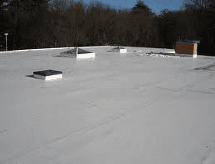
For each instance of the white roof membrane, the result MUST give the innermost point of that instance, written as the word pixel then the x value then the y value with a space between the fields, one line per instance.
pixel 114 109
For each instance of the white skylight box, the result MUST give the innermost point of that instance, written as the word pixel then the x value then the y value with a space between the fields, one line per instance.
pixel 48 75
pixel 120 49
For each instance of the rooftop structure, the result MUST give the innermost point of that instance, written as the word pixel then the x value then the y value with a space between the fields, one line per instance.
pixel 187 47
pixel 48 74
pixel 77 53
pixel 120 49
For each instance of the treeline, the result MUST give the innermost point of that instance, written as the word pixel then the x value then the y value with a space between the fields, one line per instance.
pixel 59 23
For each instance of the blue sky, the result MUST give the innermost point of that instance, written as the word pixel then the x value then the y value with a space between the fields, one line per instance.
pixel 155 5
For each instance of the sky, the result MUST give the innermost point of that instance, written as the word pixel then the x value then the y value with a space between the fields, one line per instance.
pixel 155 5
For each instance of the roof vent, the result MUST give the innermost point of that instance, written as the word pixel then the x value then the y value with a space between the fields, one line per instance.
pixel 77 53
pixel 120 49
pixel 48 75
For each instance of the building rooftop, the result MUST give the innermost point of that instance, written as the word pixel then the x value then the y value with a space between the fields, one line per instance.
pixel 130 108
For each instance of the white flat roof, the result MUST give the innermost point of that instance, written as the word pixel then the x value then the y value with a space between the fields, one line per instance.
pixel 117 109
